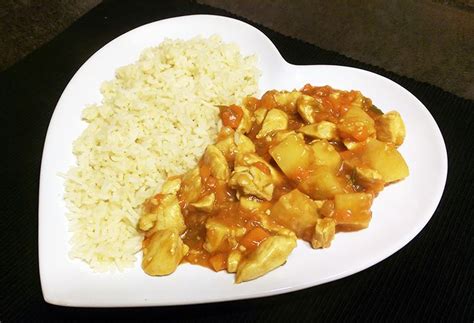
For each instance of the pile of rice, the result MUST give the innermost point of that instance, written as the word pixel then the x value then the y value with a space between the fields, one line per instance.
pixel 155 120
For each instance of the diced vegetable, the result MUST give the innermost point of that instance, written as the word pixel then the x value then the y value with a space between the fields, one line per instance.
pixel 322 184
pixel 295 211
pixel 325 155
pixel 292 155
pixel 352 210
pixel 386 160
pixel 356 124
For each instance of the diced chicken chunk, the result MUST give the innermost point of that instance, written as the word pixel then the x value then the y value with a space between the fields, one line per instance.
pixel 216 161
pixel 236 143
pixel 163 253
pixel 246 122
pixel 324 232
pixel 191 185
pixel 147 221
pixel 274 121
pixel 167 215
pixel 320 130
pixel 233 260
pixel 205 204
pixel 270 254
pixel 367 175
pixel 171 186
pixel 287 100
pixel 250 159
pixel 250 203
pixel 251 180
pixel 219 235
pixel 306 106
pixel 390 128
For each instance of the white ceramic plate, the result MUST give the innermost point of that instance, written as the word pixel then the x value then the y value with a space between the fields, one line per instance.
pixel 399 213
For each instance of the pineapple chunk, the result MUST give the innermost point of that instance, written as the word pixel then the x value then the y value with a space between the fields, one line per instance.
pixel 295 211
pixel 356 124
pixel 292 155
pixel 352 210
pixel 322 184
pixel 326 155
pixel 386 160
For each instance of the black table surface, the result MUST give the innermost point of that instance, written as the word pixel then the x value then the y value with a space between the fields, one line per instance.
pixel 430 279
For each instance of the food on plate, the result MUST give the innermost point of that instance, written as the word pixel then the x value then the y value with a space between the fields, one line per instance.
pixel 155 120
pixel 301 164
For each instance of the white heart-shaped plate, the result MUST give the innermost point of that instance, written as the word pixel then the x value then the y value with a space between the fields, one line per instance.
pixel 399 213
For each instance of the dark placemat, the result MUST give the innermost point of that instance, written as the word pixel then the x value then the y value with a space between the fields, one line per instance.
pixel 432 278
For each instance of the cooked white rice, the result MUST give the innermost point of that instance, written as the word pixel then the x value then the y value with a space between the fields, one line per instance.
pixel 155 120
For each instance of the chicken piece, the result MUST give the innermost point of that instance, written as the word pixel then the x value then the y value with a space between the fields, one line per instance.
pixel 206 204
pixel 251 180
pixel 250 159
pixel 246 123
pixel 250 203
pixel 366 175
pixel 237 143
pixel 320 130
pixel 390 128
pixel 216 161
pixel 259 115
pixel 167 215
pixel 270 254
pixel 286 101
pixel 324 232
pixel 296 211
pixel 275 120
pixel 163 253
pixel 171 186
pixel 191 186
pixel 219 235
pixel 306 106
pixel 146 221
pixel 233 261
pixel 243 144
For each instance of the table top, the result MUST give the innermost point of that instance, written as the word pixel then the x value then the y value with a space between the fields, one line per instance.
pixel 429 279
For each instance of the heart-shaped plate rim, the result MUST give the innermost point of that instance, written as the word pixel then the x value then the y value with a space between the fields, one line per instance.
pixel 399 213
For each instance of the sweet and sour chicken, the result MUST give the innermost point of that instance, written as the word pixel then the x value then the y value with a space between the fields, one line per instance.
pixel 301 164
